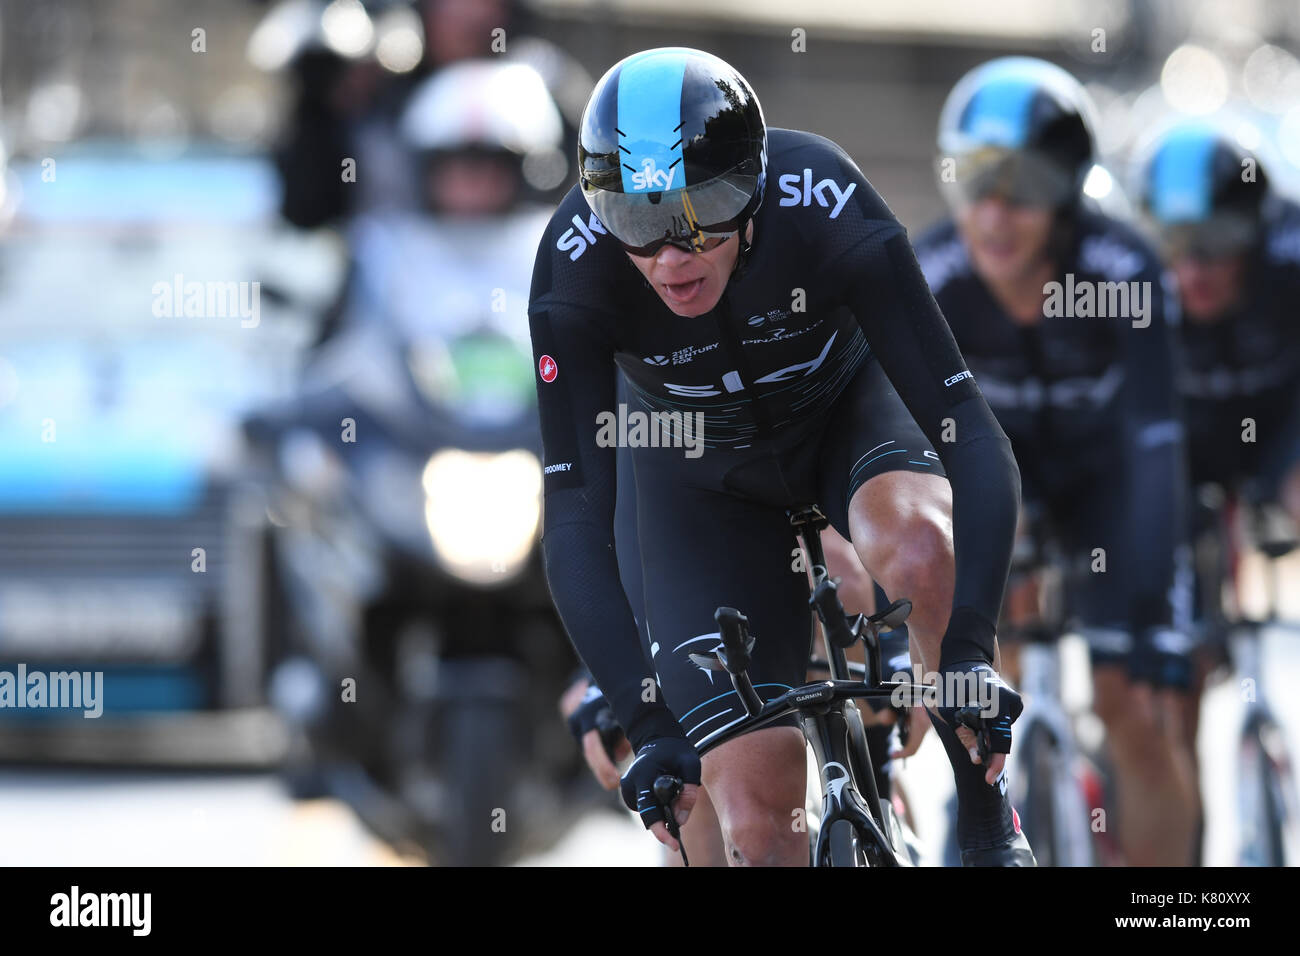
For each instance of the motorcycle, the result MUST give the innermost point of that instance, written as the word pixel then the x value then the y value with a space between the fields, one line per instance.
pixel 420 656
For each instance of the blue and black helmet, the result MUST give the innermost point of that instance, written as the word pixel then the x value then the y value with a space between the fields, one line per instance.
pixel 1203 191
pixel 1017 127
pixel 672 148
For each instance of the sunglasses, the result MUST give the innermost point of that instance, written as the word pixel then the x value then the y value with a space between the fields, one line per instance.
pixel 699 241
pixel 1020 178
pixel 1216 238
pixel 697 218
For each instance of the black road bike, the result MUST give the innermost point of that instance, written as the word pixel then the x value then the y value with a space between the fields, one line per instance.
pixel 858 826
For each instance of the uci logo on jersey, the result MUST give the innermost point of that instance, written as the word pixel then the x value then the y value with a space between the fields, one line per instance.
pixel 790 186
pixel 583 234
pixel 652 177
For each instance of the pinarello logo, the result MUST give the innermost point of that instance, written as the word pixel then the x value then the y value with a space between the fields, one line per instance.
pixel 547 368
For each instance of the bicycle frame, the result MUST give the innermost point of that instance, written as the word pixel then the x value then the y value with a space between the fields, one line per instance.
pixel 1040 682
pixel 827 710
pixel 1268 806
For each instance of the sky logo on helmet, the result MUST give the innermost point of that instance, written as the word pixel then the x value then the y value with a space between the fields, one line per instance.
pixel 652 177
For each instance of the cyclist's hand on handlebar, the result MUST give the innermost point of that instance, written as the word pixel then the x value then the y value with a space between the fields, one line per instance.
pixel 662 756
pixel 592 722
pixel 983 725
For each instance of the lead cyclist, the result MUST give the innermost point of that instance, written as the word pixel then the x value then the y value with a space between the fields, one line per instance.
pixel 789 336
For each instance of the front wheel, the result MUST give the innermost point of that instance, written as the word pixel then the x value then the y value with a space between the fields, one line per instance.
pixel 843 845
pixel 1262 798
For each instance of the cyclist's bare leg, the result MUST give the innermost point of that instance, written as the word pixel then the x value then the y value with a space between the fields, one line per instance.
pixel 757 782
pixel 702 836
pixel 1155 775
pixel 901 526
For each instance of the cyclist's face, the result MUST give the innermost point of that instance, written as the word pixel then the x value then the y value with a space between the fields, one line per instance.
pixel 1208 287
pixel 690 283
pixel 1005 241
pixel 471 186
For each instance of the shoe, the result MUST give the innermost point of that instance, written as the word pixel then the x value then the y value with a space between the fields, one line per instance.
pixel 1017 852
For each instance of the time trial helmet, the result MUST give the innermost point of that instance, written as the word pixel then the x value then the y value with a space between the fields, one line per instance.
pixel 1017 127
pixel 672 149
pixel 1202 190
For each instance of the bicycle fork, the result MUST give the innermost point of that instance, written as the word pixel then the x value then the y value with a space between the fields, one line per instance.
pixel 828 734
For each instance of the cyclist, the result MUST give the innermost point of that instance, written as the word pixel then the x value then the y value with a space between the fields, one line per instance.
pixel 1234 250
pixel 781 321
pixel 1087 399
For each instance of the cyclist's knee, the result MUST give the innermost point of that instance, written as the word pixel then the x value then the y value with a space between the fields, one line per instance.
pixel 758 787
pixel 905 535
pixel 1140 730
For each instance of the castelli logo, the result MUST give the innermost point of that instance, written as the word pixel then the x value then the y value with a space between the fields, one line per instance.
pixel 547 368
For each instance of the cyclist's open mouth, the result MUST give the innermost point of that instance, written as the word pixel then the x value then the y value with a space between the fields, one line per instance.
pixel 682 293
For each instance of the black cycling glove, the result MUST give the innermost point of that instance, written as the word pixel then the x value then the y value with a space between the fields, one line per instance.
pixel 671 756
pixel 594 713
pixel 972 694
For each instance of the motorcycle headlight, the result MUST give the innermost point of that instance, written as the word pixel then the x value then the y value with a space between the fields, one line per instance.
pixel 483 512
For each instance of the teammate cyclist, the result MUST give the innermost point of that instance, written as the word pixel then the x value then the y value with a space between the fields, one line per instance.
pixel 1059 311
pixel 1234 249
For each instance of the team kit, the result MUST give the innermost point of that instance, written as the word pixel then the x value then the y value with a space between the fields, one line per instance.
pixel 732 331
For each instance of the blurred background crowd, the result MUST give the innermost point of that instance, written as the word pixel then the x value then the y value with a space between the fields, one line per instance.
pixel 267 449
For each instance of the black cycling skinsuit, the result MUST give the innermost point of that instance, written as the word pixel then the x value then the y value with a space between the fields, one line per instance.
pixel 1246 365
pixel 1089 404
pixel 796 408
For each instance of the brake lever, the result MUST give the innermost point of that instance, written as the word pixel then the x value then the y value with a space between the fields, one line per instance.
pixel 666 790
pixel 969 717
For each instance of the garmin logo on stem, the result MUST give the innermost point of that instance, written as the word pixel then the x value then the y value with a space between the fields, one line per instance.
pixel 75 909
pixel 797 196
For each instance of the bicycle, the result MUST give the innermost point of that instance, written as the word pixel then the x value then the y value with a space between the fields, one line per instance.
pixel 1266 789
pixel 1052 781
pixel 858 827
